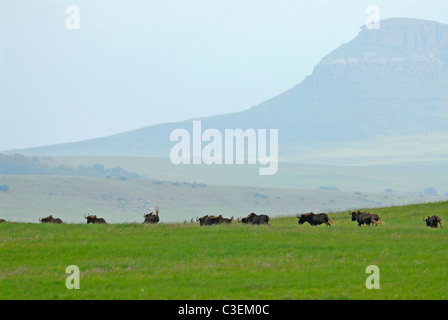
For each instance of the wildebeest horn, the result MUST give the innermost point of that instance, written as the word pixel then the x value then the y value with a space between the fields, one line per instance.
pixel 85 216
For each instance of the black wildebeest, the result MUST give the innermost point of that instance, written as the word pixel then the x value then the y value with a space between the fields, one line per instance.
pixel 203 220
pixel 433 221
pixel 361 217
pixel 222 220
pixel 210 220
pixel 2 220
pixel 50 219
pixel 151 217
pixel 367 218
pixel 314 219
pixel 255 219
pixel 94 219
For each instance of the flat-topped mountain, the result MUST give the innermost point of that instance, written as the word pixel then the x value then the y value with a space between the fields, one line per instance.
pixel 387 82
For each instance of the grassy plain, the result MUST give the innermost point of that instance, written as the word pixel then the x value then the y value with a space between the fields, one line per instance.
pixel 186 261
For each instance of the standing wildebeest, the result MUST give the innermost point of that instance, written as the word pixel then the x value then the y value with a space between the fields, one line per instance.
pixel 94 219
pixel 151 217
pixel 2 220
pixel 361 217
pixel 315 219
pixel 433 221
pixel 50 219
pixel 255 219
pixel 367 218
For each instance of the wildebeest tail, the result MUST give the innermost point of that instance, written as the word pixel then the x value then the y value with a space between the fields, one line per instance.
pixel 329 219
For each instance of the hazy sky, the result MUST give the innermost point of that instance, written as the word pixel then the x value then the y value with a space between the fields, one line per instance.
pixel 136 63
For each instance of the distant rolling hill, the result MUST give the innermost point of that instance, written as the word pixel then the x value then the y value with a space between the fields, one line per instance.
pixel 125 201
pixel 384 85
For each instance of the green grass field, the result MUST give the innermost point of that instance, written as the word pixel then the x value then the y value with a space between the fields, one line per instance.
pixel 186 261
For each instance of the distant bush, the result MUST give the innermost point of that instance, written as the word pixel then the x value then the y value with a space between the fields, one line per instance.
pixel 200 185
pixel 430 192
pixel 259 195
pixel 4 188
pixel 327 188
pixel 20 165
pixel 389 191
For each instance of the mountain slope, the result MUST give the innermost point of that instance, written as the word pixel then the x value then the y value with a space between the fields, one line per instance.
pixel 390 82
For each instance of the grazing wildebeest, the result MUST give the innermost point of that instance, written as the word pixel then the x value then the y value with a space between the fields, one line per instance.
pixel 433 221
pixel 255 219
pixel 2 220
pixel 315 219
pixel 50 219
pixel 151 217
pixel 361 217
pixel 94 219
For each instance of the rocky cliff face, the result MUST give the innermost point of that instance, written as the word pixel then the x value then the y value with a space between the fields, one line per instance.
pixel 402 49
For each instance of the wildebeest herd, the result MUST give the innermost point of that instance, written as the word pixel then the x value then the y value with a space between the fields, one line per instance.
pixel 361 217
